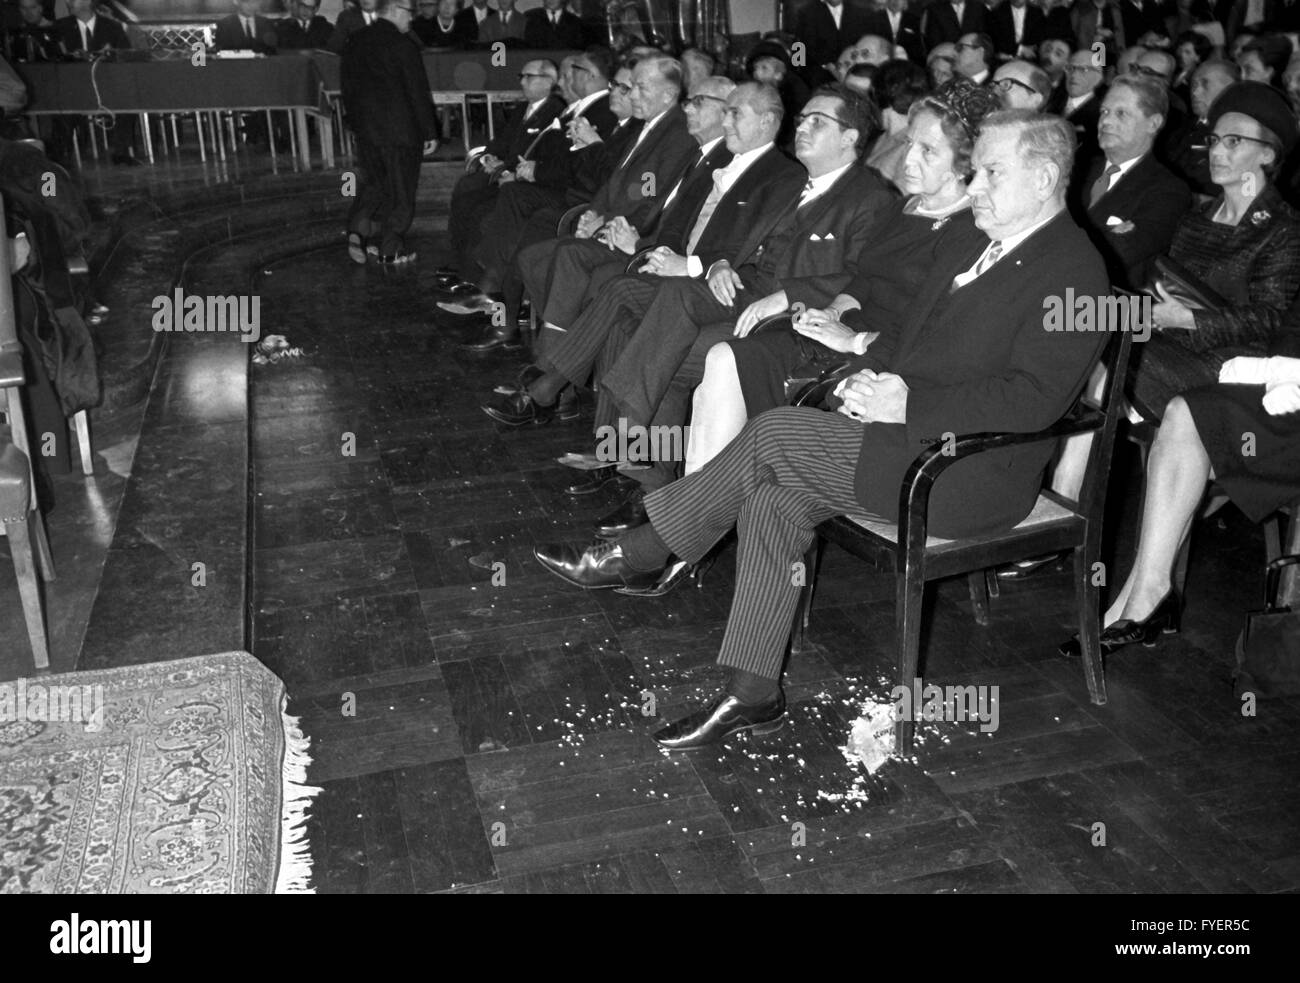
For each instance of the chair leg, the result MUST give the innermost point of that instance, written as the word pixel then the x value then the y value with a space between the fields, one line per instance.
pixel 909 606
pixel 991 583
pixel 979 597
pixel 803 612
pixel 81 423
pixel 1288 590
pixel 1089 603
pixel 1272 538
pixel 41 542
pixel 29 590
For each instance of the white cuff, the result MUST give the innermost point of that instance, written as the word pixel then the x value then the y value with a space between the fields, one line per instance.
pixel 694 267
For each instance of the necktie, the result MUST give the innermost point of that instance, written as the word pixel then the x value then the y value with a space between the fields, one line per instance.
pixel 248 27
pixel 806 194
pixel 706 212
pixel 672 195
pixel 305 25
pixel 85 35
pixel 989 258
pixel 555 20
pixel 370 18
pixel 1101 185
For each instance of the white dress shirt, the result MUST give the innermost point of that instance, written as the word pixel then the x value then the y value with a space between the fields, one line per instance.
pixel 818 186
pixel 723 180
pixel 87 31
pixel 1007 245
pixel 837 13
pixel 1124 168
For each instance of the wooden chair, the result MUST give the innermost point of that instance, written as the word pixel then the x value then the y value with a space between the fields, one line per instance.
pixel 1055 525
pixel 19 512
pixel 563 227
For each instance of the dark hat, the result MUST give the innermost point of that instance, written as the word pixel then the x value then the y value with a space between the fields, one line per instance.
pixel 766 49
pixel 1262 103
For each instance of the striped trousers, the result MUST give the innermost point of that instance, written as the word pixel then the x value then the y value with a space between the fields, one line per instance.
pixel 617 311
pixel 788 470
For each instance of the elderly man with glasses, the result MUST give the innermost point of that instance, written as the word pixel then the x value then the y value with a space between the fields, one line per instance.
pixel 1021 85
pixel 1084 83
pixel 974 57
pixel 304 27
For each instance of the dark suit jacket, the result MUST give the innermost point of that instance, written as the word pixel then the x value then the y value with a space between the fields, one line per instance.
pixel 1137 22
pixel 230 35
pixel 655 165
pixel 808 255
pixel 1084 120
pixel 292 36
pixel 978 359
pixel 591 166
pixel 1002 28
pixel 540 33
pixel 555 163
pixel 908 37
pixel 108 33
pixel 745 215
pixel 941 22
pixel 696 184
pixel 1151 197
pixel 497 29
pixel 431 35
pixel 513 138
pixel 28 44
pixel 815 27
pixel 1084 22
pixel 385 88
pixel 470 29
pixel 349 22
pixel 1186 153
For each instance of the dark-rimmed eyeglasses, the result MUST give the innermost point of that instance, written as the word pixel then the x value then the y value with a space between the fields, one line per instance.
pixel 1005 84
pixel 697 102
pixel 1231 141
pixel 622 88
pixel 816 119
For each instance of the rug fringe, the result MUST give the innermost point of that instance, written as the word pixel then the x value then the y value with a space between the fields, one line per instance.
pixel 295 848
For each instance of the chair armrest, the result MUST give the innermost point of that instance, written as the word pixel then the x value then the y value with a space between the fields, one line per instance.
pixel 771 321
pixel 914 493
pixel 472 158
pixel 569 220
pixel 11 370
pixel 638 257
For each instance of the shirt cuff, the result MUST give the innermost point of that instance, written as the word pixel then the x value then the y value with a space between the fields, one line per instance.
pixel 694 267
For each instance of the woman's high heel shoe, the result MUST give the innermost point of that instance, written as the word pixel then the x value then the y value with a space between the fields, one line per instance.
pixel 1166 619
pixel 674 574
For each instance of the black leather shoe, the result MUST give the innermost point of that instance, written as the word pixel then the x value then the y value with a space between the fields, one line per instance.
pixel 594 568
pixel 1024 569
pixel 596 479
pixel 494 339
pixel 1166 619
pixel 569 405
pixel 460 288
pixel 723 717
pixel 627 516
pixel 517 409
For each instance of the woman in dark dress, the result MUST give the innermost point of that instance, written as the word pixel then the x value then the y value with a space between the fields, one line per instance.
pixel 1245 245
pixel 744 378
pixel 1200 439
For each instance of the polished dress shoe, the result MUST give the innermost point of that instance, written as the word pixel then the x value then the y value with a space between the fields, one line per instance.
pixel 494 339
pixel 1166 619
pixel 456 287
pixel 594 480
pixel 517 409
pixel 357 248
pixel 724 716
pixel 1024 569
pixel 627 516
pixel 594 568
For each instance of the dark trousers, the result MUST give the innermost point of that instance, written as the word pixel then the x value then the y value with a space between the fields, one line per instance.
pixel 472 200
pixel 571 264
pixel 787 471
pixel 385 203
pixel 503 227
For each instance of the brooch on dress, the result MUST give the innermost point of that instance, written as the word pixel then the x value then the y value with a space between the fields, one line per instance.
pixel 1260 217
pixel 939 223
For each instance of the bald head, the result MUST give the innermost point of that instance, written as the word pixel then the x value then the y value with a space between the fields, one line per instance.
pixel 1022 85
pixel 753 116
pixel 874 50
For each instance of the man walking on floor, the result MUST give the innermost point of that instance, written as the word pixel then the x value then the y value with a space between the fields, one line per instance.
pixel 386 98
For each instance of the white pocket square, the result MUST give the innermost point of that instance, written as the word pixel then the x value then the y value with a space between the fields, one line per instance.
pixel 826 238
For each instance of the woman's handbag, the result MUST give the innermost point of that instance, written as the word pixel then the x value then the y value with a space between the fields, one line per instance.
pixel 1268 650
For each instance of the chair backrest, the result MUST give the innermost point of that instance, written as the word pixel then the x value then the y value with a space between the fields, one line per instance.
pixel 1115 360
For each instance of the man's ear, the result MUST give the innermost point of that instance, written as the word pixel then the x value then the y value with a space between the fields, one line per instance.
pixel 1049 179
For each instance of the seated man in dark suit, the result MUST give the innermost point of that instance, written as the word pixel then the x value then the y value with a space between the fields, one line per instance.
pixel 1186 149
pixel 508 26
pixel 553 28
pixel 386 96
pixel 1016 27
pixel 1083 83
pixel 474 22
pixel 305 28
pixel 648 378
pixel 548 161
pixel 246 30
pixel 85 33
pixel 34 38
pixel 474 192
pixel 748 199
pixel 827 27
pixel 974 357
pixel 900 27
pixel 946 22
pixel 351 20
pixel 1128 202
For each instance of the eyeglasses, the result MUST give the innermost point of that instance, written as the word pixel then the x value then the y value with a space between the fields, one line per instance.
pixel 816 119
pixel 963 45
pixel 1005 84
pixel 1232 140
pixel 1080 69
pixel 697 102
pixel 530 75
pixel 581 68
pixel 622 88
